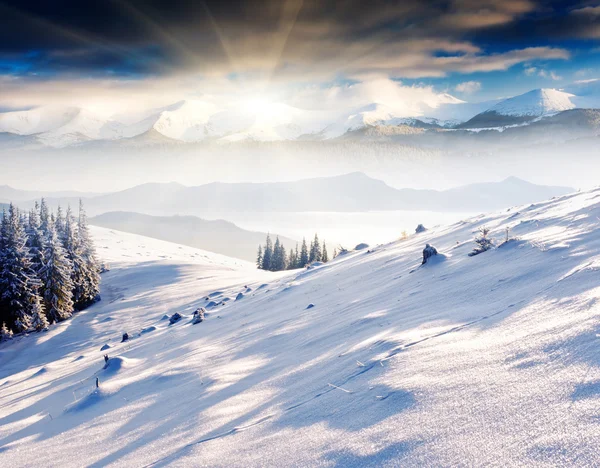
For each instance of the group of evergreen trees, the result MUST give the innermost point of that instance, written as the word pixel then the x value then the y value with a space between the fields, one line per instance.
pixel 273 257
pixel 48 268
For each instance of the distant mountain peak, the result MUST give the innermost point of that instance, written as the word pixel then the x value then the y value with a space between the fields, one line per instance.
pixel 535 103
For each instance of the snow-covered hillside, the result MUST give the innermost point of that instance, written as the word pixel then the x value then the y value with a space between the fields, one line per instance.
pixel 486 360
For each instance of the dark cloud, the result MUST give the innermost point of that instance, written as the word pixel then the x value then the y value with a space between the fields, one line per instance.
pixel 283 38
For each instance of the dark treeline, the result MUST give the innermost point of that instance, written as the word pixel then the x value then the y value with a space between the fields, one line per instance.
pixel 48 268
pixel 273 257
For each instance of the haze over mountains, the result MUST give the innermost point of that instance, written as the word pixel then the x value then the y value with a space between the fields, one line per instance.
pixel 195 121
pixel 217 236
pixel 354 192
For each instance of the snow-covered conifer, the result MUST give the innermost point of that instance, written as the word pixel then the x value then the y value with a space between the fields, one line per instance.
pixel 278 262
pixel 56 276
pixel 38 317
pixel 303 255
pixel 259 257
pixel 483 241
pixel 88 284
pixel 291 263
pixel 324 254
pixel 44 216
pixel 315 250
pixel 267 254
pixel 18 280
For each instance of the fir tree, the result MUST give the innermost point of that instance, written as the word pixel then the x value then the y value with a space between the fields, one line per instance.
pixel 18 281
pixel 278 262
pixel 38 317
pixel 303 255
pixel 44 216
pixel 259 257
pixel 267 254
pixel 87 288
pixel 35 239
pixel 291 263
pixel 59 224
pixel 56 276
pixel 324 255
pixel 315 250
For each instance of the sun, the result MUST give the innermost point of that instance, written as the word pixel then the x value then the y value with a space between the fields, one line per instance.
pixel 257 104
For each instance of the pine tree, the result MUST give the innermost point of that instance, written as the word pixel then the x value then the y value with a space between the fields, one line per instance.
pixel 87 288
pixel 5 333
pixel 303 255
pixel 56 276
pixel 267 254
pixel 38 317
pixel 324 255
pixel 259 257
pixel 18 281
pixel 315 250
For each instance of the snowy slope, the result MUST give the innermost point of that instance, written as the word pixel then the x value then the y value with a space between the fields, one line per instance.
pixel 467 361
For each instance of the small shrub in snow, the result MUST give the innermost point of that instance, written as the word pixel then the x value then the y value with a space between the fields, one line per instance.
pixel 341 250
pixel 420 228
pixel 428 252
pixel 483 241
pixel 5 333
pixel 176 317
pixel 361 246
pixel 199 316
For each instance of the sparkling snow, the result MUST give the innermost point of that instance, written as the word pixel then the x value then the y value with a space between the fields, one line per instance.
pixel 486 360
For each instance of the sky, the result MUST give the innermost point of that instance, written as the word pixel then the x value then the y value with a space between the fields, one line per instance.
pixel 117 55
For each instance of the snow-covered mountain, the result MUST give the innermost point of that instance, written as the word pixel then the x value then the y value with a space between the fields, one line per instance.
pixel 537 104
pixel 369 360
pixel 200 120
pixel 184 120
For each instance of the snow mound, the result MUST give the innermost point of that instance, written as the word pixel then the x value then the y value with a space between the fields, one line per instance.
pixel 116 365
pixel 91 399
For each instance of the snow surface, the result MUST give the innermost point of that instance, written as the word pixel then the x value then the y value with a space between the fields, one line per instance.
pixel 486 360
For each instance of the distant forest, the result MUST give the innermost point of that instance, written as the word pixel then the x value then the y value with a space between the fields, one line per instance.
pixel 273 256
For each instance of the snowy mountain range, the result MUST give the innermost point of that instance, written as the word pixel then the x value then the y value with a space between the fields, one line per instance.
pixel 370 360
pixel 197 120
pixel 353 192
